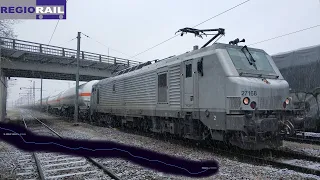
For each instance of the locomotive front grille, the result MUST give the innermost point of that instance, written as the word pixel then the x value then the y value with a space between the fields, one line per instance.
pixel 234 102
pixel 274 102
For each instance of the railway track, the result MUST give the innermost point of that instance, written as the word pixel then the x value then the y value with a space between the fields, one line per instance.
pixel 57 166
pixel 276 158
pixel 304 139
pixel 279 158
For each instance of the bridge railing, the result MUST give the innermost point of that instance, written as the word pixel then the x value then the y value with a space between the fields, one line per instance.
pixel 33 47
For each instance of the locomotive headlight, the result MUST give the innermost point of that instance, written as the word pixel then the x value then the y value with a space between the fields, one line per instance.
pixel 284 105
pixel 253 105
pixel 246 101
pixel 287 101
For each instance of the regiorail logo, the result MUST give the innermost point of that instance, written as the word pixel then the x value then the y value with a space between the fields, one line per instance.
pixel 33 9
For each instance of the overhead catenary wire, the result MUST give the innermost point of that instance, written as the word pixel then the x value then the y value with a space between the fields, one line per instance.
pixel 67 41
pixel 106 45
pixel 192 27
pixel 222 13
pixel 154 46
pixel 54 30
pixel 285 35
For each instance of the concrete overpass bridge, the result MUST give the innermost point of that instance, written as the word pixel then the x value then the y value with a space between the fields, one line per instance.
pixel 35 60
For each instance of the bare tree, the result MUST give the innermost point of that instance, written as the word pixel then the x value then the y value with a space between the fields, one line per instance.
pixel 6 28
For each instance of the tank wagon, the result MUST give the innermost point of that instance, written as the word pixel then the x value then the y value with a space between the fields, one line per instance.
pixel 67 99
pixel 221 92
pixel 44 106
pixel 62 103
pixel 300 68
pixel 53 103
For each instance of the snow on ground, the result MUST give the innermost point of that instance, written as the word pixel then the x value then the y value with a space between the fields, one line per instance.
pixel 9 156
pixel 229 168
pixel 310 149
pixel 312 134
pixel 299 162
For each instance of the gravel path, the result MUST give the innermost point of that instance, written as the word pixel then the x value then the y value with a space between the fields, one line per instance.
pixel 229 169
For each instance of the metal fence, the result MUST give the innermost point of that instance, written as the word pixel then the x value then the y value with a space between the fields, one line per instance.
pixel 33 47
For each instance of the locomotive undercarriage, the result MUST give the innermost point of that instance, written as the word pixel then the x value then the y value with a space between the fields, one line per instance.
pixel 184 127
pixel 261 130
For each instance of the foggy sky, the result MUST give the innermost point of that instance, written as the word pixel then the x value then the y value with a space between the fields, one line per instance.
pixel 132 26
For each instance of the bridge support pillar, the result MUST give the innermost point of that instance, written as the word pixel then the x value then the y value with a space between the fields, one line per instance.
pixel 3 96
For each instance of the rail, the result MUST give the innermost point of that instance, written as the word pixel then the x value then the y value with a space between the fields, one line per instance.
pixel 40 170
pixel 304 139
pixel 21 45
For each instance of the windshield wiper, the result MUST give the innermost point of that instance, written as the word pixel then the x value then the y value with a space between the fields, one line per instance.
pixel 260 75
pixel 249 57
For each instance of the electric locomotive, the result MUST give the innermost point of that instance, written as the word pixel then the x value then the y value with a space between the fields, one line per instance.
pixel 223 92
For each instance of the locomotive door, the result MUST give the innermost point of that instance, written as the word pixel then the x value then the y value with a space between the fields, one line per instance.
pixel 93 99
pixel 188 84
pixel 162 81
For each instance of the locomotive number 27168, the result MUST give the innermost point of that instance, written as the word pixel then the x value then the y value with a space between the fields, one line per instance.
pixel 249 93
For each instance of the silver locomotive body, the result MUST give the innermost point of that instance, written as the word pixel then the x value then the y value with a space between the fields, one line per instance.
pixel 210 93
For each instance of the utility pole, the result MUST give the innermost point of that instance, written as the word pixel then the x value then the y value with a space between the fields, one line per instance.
pixel 41 93
pixel 30 93
pixel 29 96
pixel 76 107
pixel 34 93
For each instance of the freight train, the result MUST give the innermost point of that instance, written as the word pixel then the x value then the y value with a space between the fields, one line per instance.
pixel 301 68
pixel 222 92
pixel 63 103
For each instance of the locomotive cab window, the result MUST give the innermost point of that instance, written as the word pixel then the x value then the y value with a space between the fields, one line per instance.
pixel 162 88
pixel 200 67
pixel 188 70
pixel 257 62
